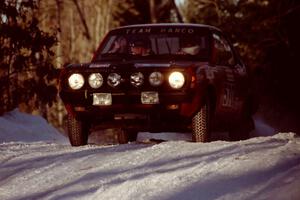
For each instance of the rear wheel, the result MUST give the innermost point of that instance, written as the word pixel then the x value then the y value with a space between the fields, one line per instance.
pixel 201 124
pixel 78 131
pixel 132 135
pixel 242 130
pixel 122 137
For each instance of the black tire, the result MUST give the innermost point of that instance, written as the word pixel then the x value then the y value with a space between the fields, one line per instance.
pixel 242 130
pixel 125 136
pixel 122 136
pixel 132 135
pixel 78 131
pixel 201 124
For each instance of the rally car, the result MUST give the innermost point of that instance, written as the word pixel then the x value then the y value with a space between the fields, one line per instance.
pixel 159 77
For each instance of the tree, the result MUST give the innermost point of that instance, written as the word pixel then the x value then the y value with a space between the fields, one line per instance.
pixel 140 12
pixel 79 26
pixel 265 33
pixel 27 73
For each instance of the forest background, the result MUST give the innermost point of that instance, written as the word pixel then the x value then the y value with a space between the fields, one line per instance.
pixel 38 37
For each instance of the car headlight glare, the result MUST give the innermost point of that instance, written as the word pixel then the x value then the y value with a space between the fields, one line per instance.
pixel 176 80
pixel 95 80
pixel 114 79
pixel 137 79
pixel 156 78
pixel 76 81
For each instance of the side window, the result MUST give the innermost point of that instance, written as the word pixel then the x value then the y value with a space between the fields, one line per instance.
pixel 224 55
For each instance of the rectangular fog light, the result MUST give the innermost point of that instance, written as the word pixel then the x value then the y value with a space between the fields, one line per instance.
pixel 102 99
pixel 149 98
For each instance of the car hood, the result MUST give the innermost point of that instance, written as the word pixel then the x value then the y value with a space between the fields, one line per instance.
pixel 143 64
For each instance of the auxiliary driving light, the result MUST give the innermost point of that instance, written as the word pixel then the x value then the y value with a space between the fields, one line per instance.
pixel 102 99
pixel 95 80
pixel 76 81
pixel 156 78
pixel 137 79
pixel 176 80
pixel 114 79
pixel 149 97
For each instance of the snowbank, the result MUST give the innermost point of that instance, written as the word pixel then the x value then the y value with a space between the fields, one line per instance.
pixel 21 127
pixel 261 129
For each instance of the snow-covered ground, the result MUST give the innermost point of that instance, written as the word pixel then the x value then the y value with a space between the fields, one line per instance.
pixel 36 162
pixel 21 127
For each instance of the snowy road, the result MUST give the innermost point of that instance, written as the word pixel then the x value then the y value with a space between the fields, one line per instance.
pixel 258 168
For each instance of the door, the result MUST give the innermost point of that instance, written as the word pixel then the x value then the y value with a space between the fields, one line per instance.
pixel 230 84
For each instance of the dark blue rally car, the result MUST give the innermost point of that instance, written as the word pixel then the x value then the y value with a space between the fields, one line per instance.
pixel 159 77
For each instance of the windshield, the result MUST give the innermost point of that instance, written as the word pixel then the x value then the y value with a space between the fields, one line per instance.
pixel 176 46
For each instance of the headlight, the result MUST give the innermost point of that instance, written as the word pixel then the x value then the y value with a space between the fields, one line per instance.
pixel 113 79
pixel 137 79
pixel 156 78
pixel 176 80
pixel 95 80
pixel 76 81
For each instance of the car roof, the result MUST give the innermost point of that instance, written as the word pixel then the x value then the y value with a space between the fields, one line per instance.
pixel 169 25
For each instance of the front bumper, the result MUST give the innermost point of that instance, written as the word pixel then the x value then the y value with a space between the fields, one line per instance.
pixel 85 98
pixel 127 110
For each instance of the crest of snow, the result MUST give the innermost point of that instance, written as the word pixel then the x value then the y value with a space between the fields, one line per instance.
pixel 21 127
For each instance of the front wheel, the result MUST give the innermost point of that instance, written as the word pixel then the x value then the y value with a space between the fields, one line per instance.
pixel 78 131
pixel 127 135
pixel 201 124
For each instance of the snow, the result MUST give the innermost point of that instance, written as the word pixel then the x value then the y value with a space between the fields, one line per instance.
pixel 18 126
pixel 36 163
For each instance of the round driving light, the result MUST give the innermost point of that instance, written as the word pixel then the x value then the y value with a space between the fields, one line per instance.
pixel 176 80
pixel 76 81
pixel 95 80
pixel 156 78
pixel 137 79
pixel 113 79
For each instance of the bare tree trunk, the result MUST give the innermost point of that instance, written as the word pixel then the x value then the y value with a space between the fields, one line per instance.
pixel 178 15
pixel 166 10
pixel 108 16
pixel 103 20
pixel 87 33
pixel 152 11
pixel 59 59
pixel 72 34
pixel 97 26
